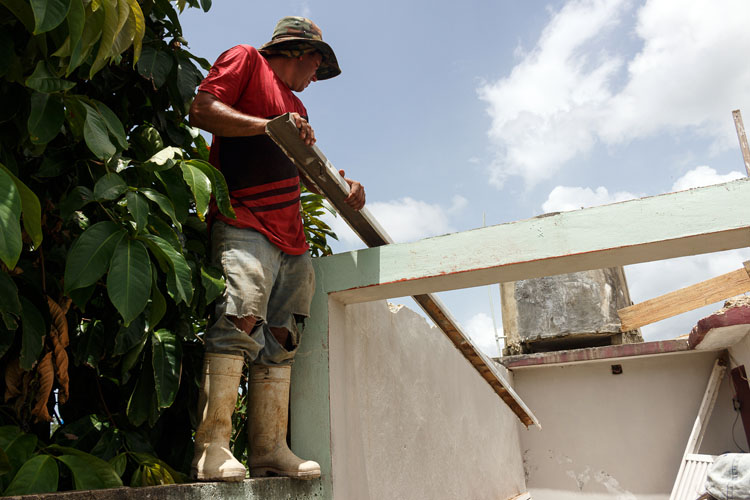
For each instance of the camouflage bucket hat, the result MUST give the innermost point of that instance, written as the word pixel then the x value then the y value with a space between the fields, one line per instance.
pixel 294 36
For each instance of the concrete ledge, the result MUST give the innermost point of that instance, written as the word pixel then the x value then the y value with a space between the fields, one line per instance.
pixel 595 353
pixel 721 329
pixel 250 489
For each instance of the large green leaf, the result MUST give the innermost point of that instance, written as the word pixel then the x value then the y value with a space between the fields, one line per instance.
pixel 10 306
pixel 125 36
pixel 139 404
pixel 19 448
pixel 130 336
pixel 114 125
pixel 140 29
pixel 188 76
pixel 219 185
pixel 129 278
pixel 46 117
pixel 96 135
pixel 32 210
pixel 130 359
pixel 155 65
pixel 90 472
pixel 179 279
pixel 91 253
pixel 10 226
pixel 200 185
pixel 76 22
pixel 48 14
pixel 119 463
pixel 7 434
pixel 77 198
pixel 75 115
pixel 109 32
pixel 167 362
pixel 108 445
pixel 158 303
pixel 34 330
pixel 178 192
pixel 43 80
pixel 22 10
pixel 213 283
pixel 90 344
pixel 92 31
pixel 159 227
pixel 37 475
pixel 110 186
pixel 164 203
pixel 138 208
pixel 4 463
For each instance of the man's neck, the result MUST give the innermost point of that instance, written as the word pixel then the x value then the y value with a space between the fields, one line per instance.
pixel 283 68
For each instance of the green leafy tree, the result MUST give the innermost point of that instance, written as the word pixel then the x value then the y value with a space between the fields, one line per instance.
pixel 105 279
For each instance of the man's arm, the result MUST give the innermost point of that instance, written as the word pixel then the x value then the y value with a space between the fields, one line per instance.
pixel 212 115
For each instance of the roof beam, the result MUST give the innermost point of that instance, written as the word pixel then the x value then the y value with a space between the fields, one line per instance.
pixel 702 220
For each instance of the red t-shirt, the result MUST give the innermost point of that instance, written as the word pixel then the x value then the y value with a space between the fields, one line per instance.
pixel 263 182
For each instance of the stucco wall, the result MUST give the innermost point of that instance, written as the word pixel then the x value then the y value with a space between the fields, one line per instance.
pixel 740 353
pixel 621 436
pixel 411 419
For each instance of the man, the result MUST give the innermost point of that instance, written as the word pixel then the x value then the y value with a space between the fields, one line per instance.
pixel 263 252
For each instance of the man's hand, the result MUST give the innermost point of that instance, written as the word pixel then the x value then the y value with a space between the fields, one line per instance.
pixel 356 198
pixel 306 132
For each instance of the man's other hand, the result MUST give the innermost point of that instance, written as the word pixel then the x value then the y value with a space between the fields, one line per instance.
pixel 356 198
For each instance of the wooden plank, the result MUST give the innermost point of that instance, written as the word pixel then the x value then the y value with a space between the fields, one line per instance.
pixel 699 430
pixel 742 137
pixel 316 168
pixel 685 299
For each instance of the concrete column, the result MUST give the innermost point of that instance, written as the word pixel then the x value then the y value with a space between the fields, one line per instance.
pixel 565 311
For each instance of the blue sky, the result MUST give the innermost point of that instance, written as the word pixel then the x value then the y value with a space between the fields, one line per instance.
pixel 504 110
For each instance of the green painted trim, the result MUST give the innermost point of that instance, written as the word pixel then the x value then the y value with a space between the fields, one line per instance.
pixel 310 413
pixel 702 220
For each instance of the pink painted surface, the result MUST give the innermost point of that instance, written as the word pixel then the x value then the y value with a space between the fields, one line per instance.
pixel 594 353
pixel 729 317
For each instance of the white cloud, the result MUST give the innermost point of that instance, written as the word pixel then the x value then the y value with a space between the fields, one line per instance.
pixel 703 176
pixel 482 333
pixel 405 220
pixel 564 198
pixel 565 95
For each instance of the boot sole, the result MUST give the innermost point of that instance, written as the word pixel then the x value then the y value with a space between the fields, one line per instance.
pixel 273 472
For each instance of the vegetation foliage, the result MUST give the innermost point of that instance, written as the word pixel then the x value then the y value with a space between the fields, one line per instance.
pixel 105 277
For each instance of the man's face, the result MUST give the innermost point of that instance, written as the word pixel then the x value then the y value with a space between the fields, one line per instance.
pixel 307 66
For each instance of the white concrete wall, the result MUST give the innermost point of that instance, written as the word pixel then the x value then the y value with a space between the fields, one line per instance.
pixel 608 436
pixel 740 354
pixel 411 419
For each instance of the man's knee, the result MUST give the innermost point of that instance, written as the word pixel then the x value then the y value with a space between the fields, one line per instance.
pixel 283 337
pixel 246 323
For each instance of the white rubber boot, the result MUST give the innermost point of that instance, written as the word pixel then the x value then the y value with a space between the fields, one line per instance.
pixel 213 460
pixel 268 412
